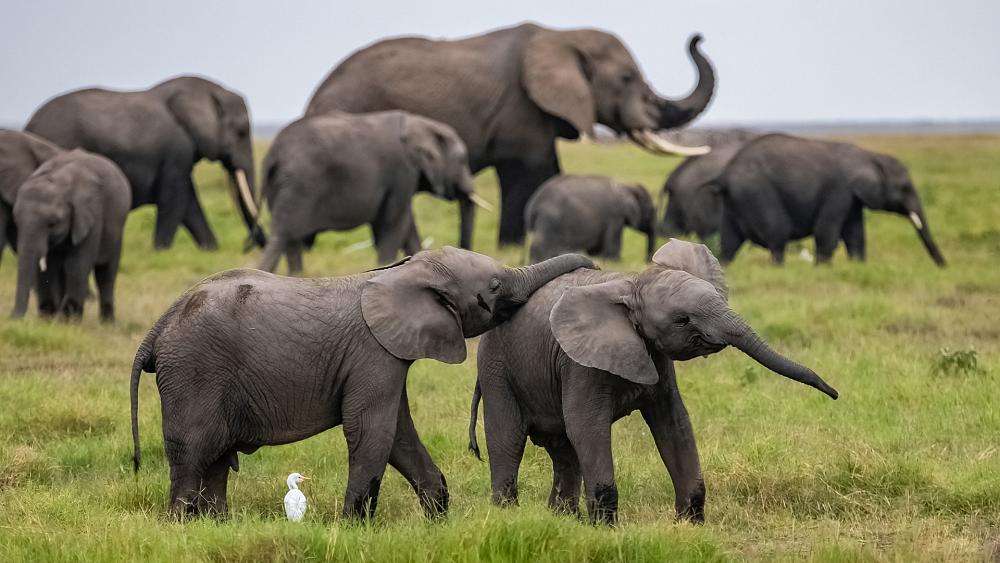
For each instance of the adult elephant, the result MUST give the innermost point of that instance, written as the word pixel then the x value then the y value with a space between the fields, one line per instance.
pixel 156 136
pixel 510 93
pixel 694 204
pixel 781 188
pixel 20 155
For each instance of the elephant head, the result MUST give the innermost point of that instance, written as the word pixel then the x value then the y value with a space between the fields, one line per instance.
pixel 587 76
pixel 641 215
pixel 427 305
pixel 21 153
pixel 678 307
pixel 218 123
pixel 886 185
pixel 436 150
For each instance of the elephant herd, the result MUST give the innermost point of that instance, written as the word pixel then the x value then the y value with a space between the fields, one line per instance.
pixel 246 358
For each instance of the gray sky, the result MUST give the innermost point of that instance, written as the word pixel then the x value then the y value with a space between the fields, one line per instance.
pixel 783 60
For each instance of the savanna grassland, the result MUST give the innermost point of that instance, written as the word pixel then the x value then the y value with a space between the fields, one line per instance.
pixel 905 466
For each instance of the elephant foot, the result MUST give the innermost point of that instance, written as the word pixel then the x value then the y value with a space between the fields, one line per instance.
pixel 435 502
pixel 693 510
pixel 603 508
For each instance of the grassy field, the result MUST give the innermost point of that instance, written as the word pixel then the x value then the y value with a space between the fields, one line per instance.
pixel 905 466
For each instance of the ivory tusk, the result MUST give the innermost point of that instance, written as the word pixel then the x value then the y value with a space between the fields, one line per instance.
pixel 360 245
pixel 656 144
pixel 42 264
pixel 481 202
pixel 426 243
pixel 915 219
pixel 244 188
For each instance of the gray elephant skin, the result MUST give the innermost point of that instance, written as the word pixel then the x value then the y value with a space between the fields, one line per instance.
pixel 247 359
pixel 781 188
pixel 591 347
pixel 511 92
pixel 20 155
pixel 340 171
pixel 694 204
pixel 70 214
pixel 156 136
pixel 587 214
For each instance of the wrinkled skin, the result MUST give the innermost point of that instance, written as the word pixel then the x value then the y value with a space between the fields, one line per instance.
pixel 592 347
pixel 70 214
pixel 20 154
pixel 694 204
pixel 510 93
pixel 587 214
pixel 248 359
pixel 340 171
pixel 156 136
pixel 781 188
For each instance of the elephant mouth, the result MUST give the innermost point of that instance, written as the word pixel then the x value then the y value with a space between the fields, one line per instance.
pixel 656 144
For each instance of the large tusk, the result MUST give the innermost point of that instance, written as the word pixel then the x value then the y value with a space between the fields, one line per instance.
pixel 42 264
pixel 478 200
pixel 244 188
pixel 915 219
pixel 656 144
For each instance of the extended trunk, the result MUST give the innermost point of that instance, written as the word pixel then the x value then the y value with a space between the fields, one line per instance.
pixel 524 281
pixel 675 113
pixel 27 274
pixel 920 224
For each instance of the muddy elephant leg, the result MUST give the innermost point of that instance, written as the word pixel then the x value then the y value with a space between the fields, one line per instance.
pixel 671 429
pixel 518 182
pixel 587 411
pixel 731 238
pixel 410 458
pixel 566 478
pixel 215 480
pixel 195 222
pixel 853 233
pixel 505 433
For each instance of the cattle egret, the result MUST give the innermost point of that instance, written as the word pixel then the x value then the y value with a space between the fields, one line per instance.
pixel 295 501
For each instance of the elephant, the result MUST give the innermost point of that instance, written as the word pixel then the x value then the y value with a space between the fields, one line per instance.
pixel 694 204
pixel 247 358
pixel 339 171
pixel 591 347
pixel 20 155
pixel 587 213
pixel 511 92
pixel 780 188
pixel 156 136
pixel 70 214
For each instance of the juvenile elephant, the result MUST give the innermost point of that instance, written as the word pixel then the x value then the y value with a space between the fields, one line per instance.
pixel 511 92
pixel 20 155
pixel 781 188
pixel 591 347
pixel 156 136
pixel 694 204
pixel 70 214
pixel 247 359
pixel 587 213
pixel 339 171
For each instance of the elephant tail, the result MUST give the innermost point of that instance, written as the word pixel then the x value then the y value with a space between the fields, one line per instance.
pixel 477 395
pixel 144 360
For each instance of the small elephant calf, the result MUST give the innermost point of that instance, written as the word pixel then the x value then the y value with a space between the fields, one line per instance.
pixel 591 347
pixel 587 214
pixel 70 214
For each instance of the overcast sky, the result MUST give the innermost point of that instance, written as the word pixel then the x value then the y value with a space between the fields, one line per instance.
pixel 785 60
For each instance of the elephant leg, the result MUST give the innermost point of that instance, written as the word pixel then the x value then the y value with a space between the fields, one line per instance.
pixel 853 234
pixel 391 229
pixel 518 182
pixel 293 255
pixel 272 252
pixel 195 222
pixel 611 241
pixel 49 287
pixel 566 477
pixel 505 434
pixel 172 204
pixel 412 244
pixel 731 238
pixel 587 412
pixel 370 409
pixel 214 482
pixel 75 269
pixel 105 275
pixel 410 458
pixel 777 250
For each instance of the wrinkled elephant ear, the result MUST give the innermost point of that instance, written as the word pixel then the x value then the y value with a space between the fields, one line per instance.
pixel 695 259
pixel 198 112
pixel 552 75
pixel 425 148
pixel 410 317
pixel 593 326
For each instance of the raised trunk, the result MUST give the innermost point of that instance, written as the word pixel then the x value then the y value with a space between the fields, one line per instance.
pixel 739 334
pixel 920 224
pixel 27 274
pixel 675 113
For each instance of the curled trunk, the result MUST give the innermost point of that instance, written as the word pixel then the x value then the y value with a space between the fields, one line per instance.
pixel 524 281
pixel 675 113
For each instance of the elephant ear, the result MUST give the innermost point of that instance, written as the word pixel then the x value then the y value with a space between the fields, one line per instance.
pixel 593 325
pixel 553 76
pixel 425 147
pixel 199 114
pixel 868 183
pixel 695 259
pixel 84 217
pixel 409 313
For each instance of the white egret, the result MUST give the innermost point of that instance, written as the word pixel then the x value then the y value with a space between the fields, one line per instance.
pixel 295 501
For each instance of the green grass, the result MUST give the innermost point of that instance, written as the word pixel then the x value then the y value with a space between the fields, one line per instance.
pixel 905 466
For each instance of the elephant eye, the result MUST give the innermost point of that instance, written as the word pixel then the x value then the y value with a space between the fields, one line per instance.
pixel 682 320
pixel 494 285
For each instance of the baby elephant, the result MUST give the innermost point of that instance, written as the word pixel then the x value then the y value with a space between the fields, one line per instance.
pixel 587 213
pixel 21 154
pixel 70 215
pixel 590 348
pixel 340 171
pixel 248 359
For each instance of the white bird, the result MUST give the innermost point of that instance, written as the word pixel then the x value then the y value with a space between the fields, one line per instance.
pixel 295 501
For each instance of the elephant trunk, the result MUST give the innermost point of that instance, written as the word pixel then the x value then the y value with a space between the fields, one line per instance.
pixel 242 182
pixel 467 221
pixel 920 224
pixel 30 259
pixel 675 113
pixel 522 282
pixel 739 334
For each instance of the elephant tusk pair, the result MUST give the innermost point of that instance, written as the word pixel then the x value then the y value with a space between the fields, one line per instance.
pixel 658 145
pixel 243 187
pixel 42 264
pixel 481 202
pixel 915 219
